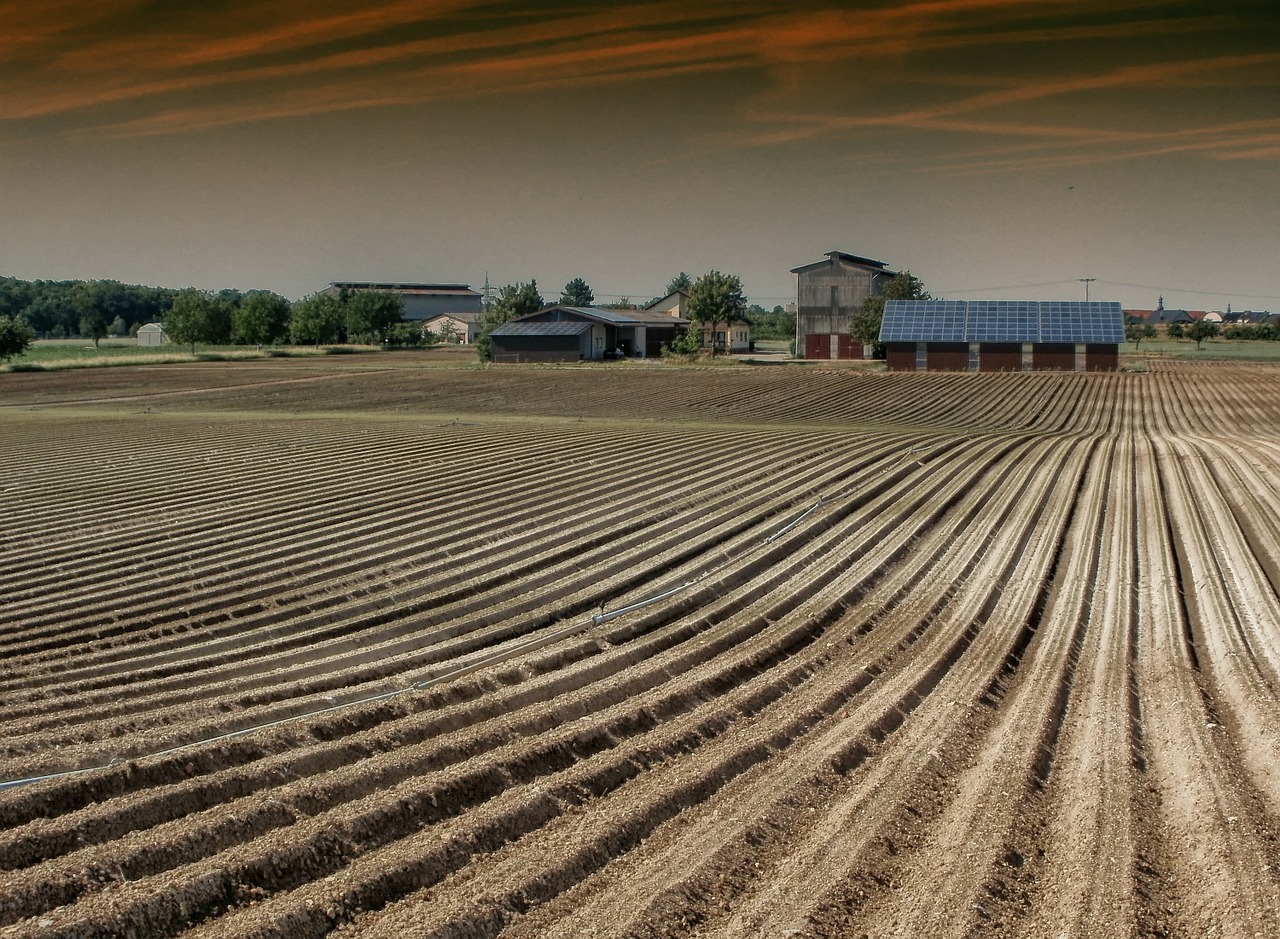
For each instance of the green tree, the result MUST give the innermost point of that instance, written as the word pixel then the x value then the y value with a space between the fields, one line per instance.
pixel 15 336
pixel 370 314
pixel 93 325
pixel 577 293
pixel 261 318
pixel 1136 332
pixel 1177 330
pixel 864 325
pixel 680 282
pixel 716 298
pixel 317 318
pixel 194 317
pixel 1201 330
pixel 516 300
pixel 118 327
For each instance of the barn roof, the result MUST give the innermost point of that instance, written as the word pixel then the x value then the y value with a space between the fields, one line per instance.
pixel 1057 321
pixel 534 328
pixel 463 316
pixel 627 317
pixel 455 290
pixel 871 263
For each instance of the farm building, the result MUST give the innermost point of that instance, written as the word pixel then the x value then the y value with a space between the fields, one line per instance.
pixel 827 295
pixel 465 325
pixel 571 334
pixel 421 301
pixel 152 334
pixel 1002 335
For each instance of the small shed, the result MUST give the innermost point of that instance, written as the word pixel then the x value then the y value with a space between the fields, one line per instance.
pixel 152 334
pixel 1002 335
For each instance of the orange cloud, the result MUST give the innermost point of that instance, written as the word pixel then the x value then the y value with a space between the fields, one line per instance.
pixel 263 62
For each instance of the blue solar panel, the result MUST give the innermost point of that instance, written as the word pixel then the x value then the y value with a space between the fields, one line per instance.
pixel 1002 320
pixel 1065 321
pixel 923 321
pixel 1078 321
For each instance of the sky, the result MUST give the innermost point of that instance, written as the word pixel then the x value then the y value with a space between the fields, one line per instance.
pixel 995 148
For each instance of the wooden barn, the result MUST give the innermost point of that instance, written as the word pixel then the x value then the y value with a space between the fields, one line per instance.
pixel 828 292
pixel 1002 335
pixel 572 334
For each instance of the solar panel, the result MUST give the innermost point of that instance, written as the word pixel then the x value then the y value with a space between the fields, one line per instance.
pixel 1059 321
pixel 1075 321
pixel 1002 320
pixel 923 321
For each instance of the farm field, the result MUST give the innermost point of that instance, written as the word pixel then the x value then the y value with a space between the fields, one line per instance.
pixel 383 647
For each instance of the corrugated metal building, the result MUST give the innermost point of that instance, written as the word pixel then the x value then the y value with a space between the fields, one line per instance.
pixel 828 293
pixel 571 334
pixel 421 301
pixel 1002 335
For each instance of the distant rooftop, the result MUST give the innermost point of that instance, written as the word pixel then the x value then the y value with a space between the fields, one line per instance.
pixel 463 290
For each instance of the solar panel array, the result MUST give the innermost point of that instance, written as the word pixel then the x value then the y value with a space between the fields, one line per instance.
pixel 1060 321
pixel 924 321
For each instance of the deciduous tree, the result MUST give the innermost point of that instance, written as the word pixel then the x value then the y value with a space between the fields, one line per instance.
pixel 716 298
pixel 317 318
pixel 194 317
pixel 261 318
pixel 370 314
pixel 1201 330
pixel 1136 332
pixel 864 325
pixel 15 337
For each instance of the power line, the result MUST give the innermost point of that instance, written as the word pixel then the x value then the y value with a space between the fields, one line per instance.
pixel 1206 293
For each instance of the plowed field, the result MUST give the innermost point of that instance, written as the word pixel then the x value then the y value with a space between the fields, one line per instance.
pixel 292 649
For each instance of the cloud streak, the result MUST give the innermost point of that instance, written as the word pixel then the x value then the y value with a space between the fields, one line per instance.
pixel 281 59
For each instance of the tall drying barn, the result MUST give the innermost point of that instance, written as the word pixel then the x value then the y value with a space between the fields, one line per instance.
pixel 828 292
pixel 1002 335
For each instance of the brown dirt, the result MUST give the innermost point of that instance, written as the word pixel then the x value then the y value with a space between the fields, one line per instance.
pixel 313 647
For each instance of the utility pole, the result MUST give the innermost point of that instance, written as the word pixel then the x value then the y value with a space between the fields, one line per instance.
pixel 1087 281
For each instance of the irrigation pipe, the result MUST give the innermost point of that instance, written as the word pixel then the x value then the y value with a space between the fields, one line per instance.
pixel 475 665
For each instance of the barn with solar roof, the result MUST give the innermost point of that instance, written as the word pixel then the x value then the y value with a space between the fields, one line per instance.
pixel 1002 335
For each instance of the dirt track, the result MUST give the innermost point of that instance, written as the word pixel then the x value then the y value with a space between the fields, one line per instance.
pixel 933 654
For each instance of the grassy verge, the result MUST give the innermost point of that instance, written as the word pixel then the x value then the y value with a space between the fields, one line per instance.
pixel 1227 350
pixel 53 354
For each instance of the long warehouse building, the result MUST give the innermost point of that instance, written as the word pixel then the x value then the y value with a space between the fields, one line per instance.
pixel 1002 335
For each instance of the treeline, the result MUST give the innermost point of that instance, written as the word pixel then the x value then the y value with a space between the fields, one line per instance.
pixel 56 309
pixel 98 309
pixel 770 324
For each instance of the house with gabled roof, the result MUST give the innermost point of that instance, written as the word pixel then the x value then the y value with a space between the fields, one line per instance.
pixel 465 325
